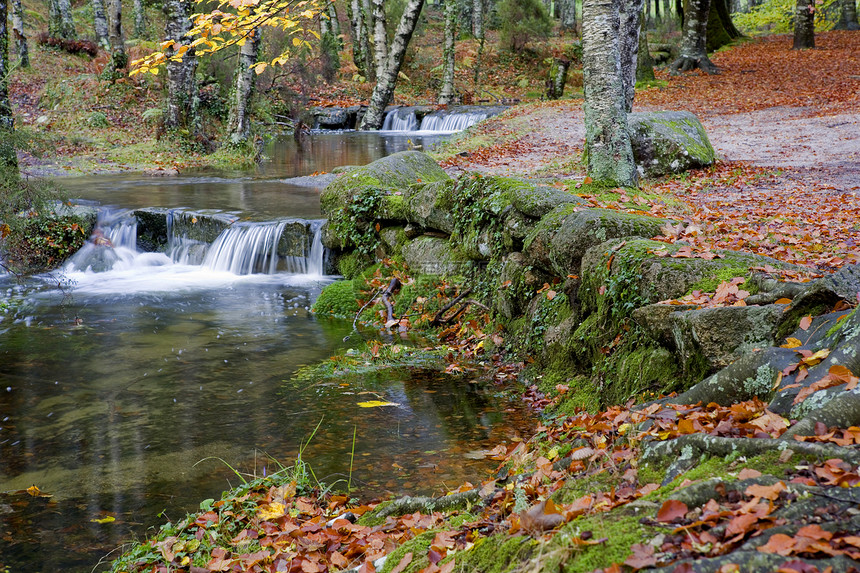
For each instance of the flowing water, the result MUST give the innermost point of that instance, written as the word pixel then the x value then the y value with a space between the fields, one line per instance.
pixel 132 382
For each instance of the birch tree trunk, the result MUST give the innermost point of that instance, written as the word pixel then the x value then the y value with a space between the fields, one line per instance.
pixel 380 37
pixel 446 94
pixel 360 41
pixel 60 23
pixel 644 62
pixel 568 15
pixel 8 159
pixel 100 24
pixel 607 140
pixel 804 25
pixel 18 31
pixel 239 121
pixel 630 16
pixel 478 32
pixel 118 57
pixel 692 53
pixel 329 47
pixel 182 99
pixel 385 84
pixel 139 19
pixel 334 22
pixel 847 16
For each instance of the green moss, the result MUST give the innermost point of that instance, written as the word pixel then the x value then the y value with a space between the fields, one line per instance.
pixel 710 283
pixel 350 265
pixel 840 323
pixel 419 546
pixel 496 554
pixel 337 299
pixel 621 531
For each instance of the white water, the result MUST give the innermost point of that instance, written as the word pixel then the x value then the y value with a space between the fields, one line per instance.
pixel 110 263
pixel 404 119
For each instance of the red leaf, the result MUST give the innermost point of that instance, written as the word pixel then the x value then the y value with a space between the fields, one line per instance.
pixel 643 555
pixel 779 543
pixel 671 510
pixel 407 559
pixel 805 322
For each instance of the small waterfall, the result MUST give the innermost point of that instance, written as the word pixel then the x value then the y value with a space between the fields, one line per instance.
pixel 112 243
pixel 457 121
pixel 312 262
pixel 180 248
pixel 400 119
pixel 246 248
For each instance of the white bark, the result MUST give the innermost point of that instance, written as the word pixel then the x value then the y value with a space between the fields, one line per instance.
pixel 60 23
pixel 380 37
pixel 100 24
pixel 360 42
pixel 630 14
pixel 239 122
pixel 568 15
pixel 139 19
pixel 610 155
pixel 385 84
pixel 478 19
pixel 18 32
pixel 182 99
pixel 446 94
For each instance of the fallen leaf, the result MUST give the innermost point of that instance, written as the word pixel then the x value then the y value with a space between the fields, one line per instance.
pixel 376 404
pixel 671 510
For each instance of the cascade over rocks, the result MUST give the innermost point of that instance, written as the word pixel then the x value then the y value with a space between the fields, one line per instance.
pixel 667 142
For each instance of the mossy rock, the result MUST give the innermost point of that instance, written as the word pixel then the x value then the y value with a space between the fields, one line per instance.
pixel 668 142
pixel 433 256
pixel 562 238
pixel 337 299
pixel 430 205
pixel 391 174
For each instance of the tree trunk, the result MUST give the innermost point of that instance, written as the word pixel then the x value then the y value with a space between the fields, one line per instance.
pixel 18 31
pixel 630 16
pixel 118 57
pixel 568 15
pixel 100 24
pixel 239 122
pixel 657 15
pixel 667 8
pixel 557 78
pixel 644 62
pixel 804 25
pixel 60 23
pixel 725 13
pixel 182 99
pixel 446 94
pixel 8 159
pixel 334 22
pixel 380 37
pixel 139 19
pixel 721 29
pixel 385 84
pixel 360 42
pixel 329 47
pixel 847 16
pixel 607 139
pixel 647 13
pixel 692 53
pixel 478 18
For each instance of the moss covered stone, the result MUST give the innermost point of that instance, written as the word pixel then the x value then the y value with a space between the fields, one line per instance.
pixel 668 142
pixel 433 256
pixel 337 299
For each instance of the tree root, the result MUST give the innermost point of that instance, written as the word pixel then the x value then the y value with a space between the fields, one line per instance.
pixel 440 317
pixel 689 63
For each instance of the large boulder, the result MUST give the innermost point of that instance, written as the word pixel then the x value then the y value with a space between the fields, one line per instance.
pixel 668 142
pixel 392 174
pixel 559 241
pixel 432 256
pixel 430 206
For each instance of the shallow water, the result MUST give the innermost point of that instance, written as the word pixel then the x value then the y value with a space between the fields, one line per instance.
pixel 138 390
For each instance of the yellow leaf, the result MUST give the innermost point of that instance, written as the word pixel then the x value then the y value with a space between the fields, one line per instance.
pixel 783 301
pixel 107 519
pixel 817 357
pixel 552 454
pixel 297 41
pixel 154 71
pixel 260 67
pixel 307 14
pixel 34 490
pixel 376 403
pixel 791 343
pixel 272 511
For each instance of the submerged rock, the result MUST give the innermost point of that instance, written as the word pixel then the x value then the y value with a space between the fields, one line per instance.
pixel 668 142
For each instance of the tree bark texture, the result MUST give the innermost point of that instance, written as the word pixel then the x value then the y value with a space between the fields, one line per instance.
pixel 557 78
pixel 8 159
pixel 446 94
pixel 804 25
pixel 360 40
pixel 329 46
pixel 630 23
pixel 384 88
pixel 568 15
pixel 334 22
pixel 380 37
pixel 239 122
pixel 118 57
pixel 60 23
pixel 644 62
pixel 182 99
pixel 18 31
pixel 692 52
pixel 478 19
pixel 847 16
pixel 139 19
pixel 100 24
pixel 610 155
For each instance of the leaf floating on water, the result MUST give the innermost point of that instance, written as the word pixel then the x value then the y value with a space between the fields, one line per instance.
pixel 376 404
pixel 107 519
pixel 33 490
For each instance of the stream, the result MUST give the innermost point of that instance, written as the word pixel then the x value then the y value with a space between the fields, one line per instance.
pixel 134 385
